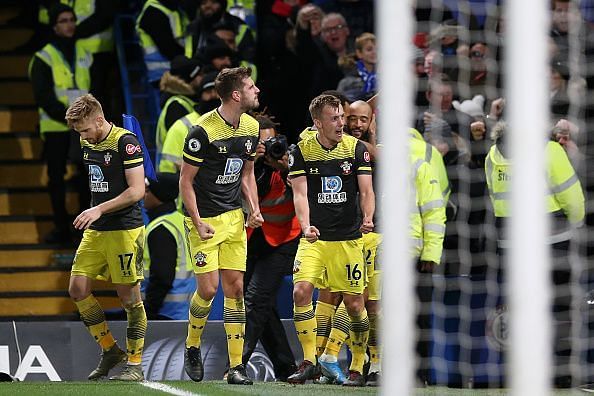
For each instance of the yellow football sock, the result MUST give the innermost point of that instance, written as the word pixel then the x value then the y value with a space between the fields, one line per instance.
pixel 340 331
pixel 359 332
pixel 324 315
pixel 135 332
pixel 199 310
pixel 234 318
pixel 93 317
pixel 306 326
pixel 372 343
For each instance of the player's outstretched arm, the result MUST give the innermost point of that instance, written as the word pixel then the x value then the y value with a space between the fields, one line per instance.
pixel 128 197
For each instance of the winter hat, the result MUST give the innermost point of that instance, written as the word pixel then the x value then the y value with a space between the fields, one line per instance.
pixel 208 81
pixel 55 12
pixel 165 188
pixel 473 108
pixel 185 68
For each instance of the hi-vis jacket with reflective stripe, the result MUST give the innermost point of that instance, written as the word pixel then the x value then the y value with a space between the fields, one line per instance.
pixel 68 84
pixel 161 132
pixel 427 219
pixel 420 149
pixel 156 63
pixel 177 302
pixel 173 146
pixel 565 190
pixel 99 42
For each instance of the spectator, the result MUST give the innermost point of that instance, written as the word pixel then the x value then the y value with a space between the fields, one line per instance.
pixel 170 282
pixel 161 26
pixel 558 89
pixel 361 81
pixel 178 95
pixel 59 73
pixel 442 125
pixel 319 56
pixel 278 64
pixel 213 12
pixel 226 32
pixel 171 154
pixel 560 26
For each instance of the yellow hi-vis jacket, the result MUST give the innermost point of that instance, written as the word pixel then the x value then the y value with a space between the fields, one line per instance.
pixel 161 132
pixel 99 42
pixel 173 146
pixel 565 191
pixel 68 84
pixel 427 218
pixel 423 150
pixel 156 63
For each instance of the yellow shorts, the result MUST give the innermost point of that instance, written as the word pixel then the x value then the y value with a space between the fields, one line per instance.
pixel 227 249
pixel 371 246
pixel 335 265
pixel 111 254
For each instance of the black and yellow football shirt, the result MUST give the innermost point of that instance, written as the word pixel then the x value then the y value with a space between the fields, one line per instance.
pixel 332 186
pixel 106 162
pixel 220 151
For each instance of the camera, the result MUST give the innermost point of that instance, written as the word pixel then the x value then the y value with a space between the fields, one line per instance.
pixel 276 146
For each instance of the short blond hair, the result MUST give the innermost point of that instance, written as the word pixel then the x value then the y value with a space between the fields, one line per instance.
pixel 82 108
pixel 363 39
pixel 319 102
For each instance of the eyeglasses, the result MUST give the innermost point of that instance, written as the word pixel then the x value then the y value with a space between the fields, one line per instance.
pixel 333 29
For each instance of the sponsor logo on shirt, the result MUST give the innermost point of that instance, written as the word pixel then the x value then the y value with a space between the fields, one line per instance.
pixel 131 149
pixel 96 179
pixel 232 171
pixel 332 190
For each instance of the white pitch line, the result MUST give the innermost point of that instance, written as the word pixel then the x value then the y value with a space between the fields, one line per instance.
pixel 168 389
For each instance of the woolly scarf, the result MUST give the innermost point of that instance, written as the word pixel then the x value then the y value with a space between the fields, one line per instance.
pixel 369 78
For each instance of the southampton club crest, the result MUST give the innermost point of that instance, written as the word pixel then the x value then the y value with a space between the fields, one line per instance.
pixel 296 266
pixel 346 167
pixel 107 158
pixel 200 259
pixel 248 146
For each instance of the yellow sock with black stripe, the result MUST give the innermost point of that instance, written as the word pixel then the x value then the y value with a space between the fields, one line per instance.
pixel 324 315
pixel 93 317
pixel 340 331
pixel 135 332
pixel 372 343
pixel 359 332
pixel 306 327
pixel 199 310
pixel 234 318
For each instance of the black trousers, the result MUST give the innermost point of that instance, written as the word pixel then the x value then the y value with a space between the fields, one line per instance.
pixel 266 267
pixel 58 148
pixel 424 292
pixel 560 277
